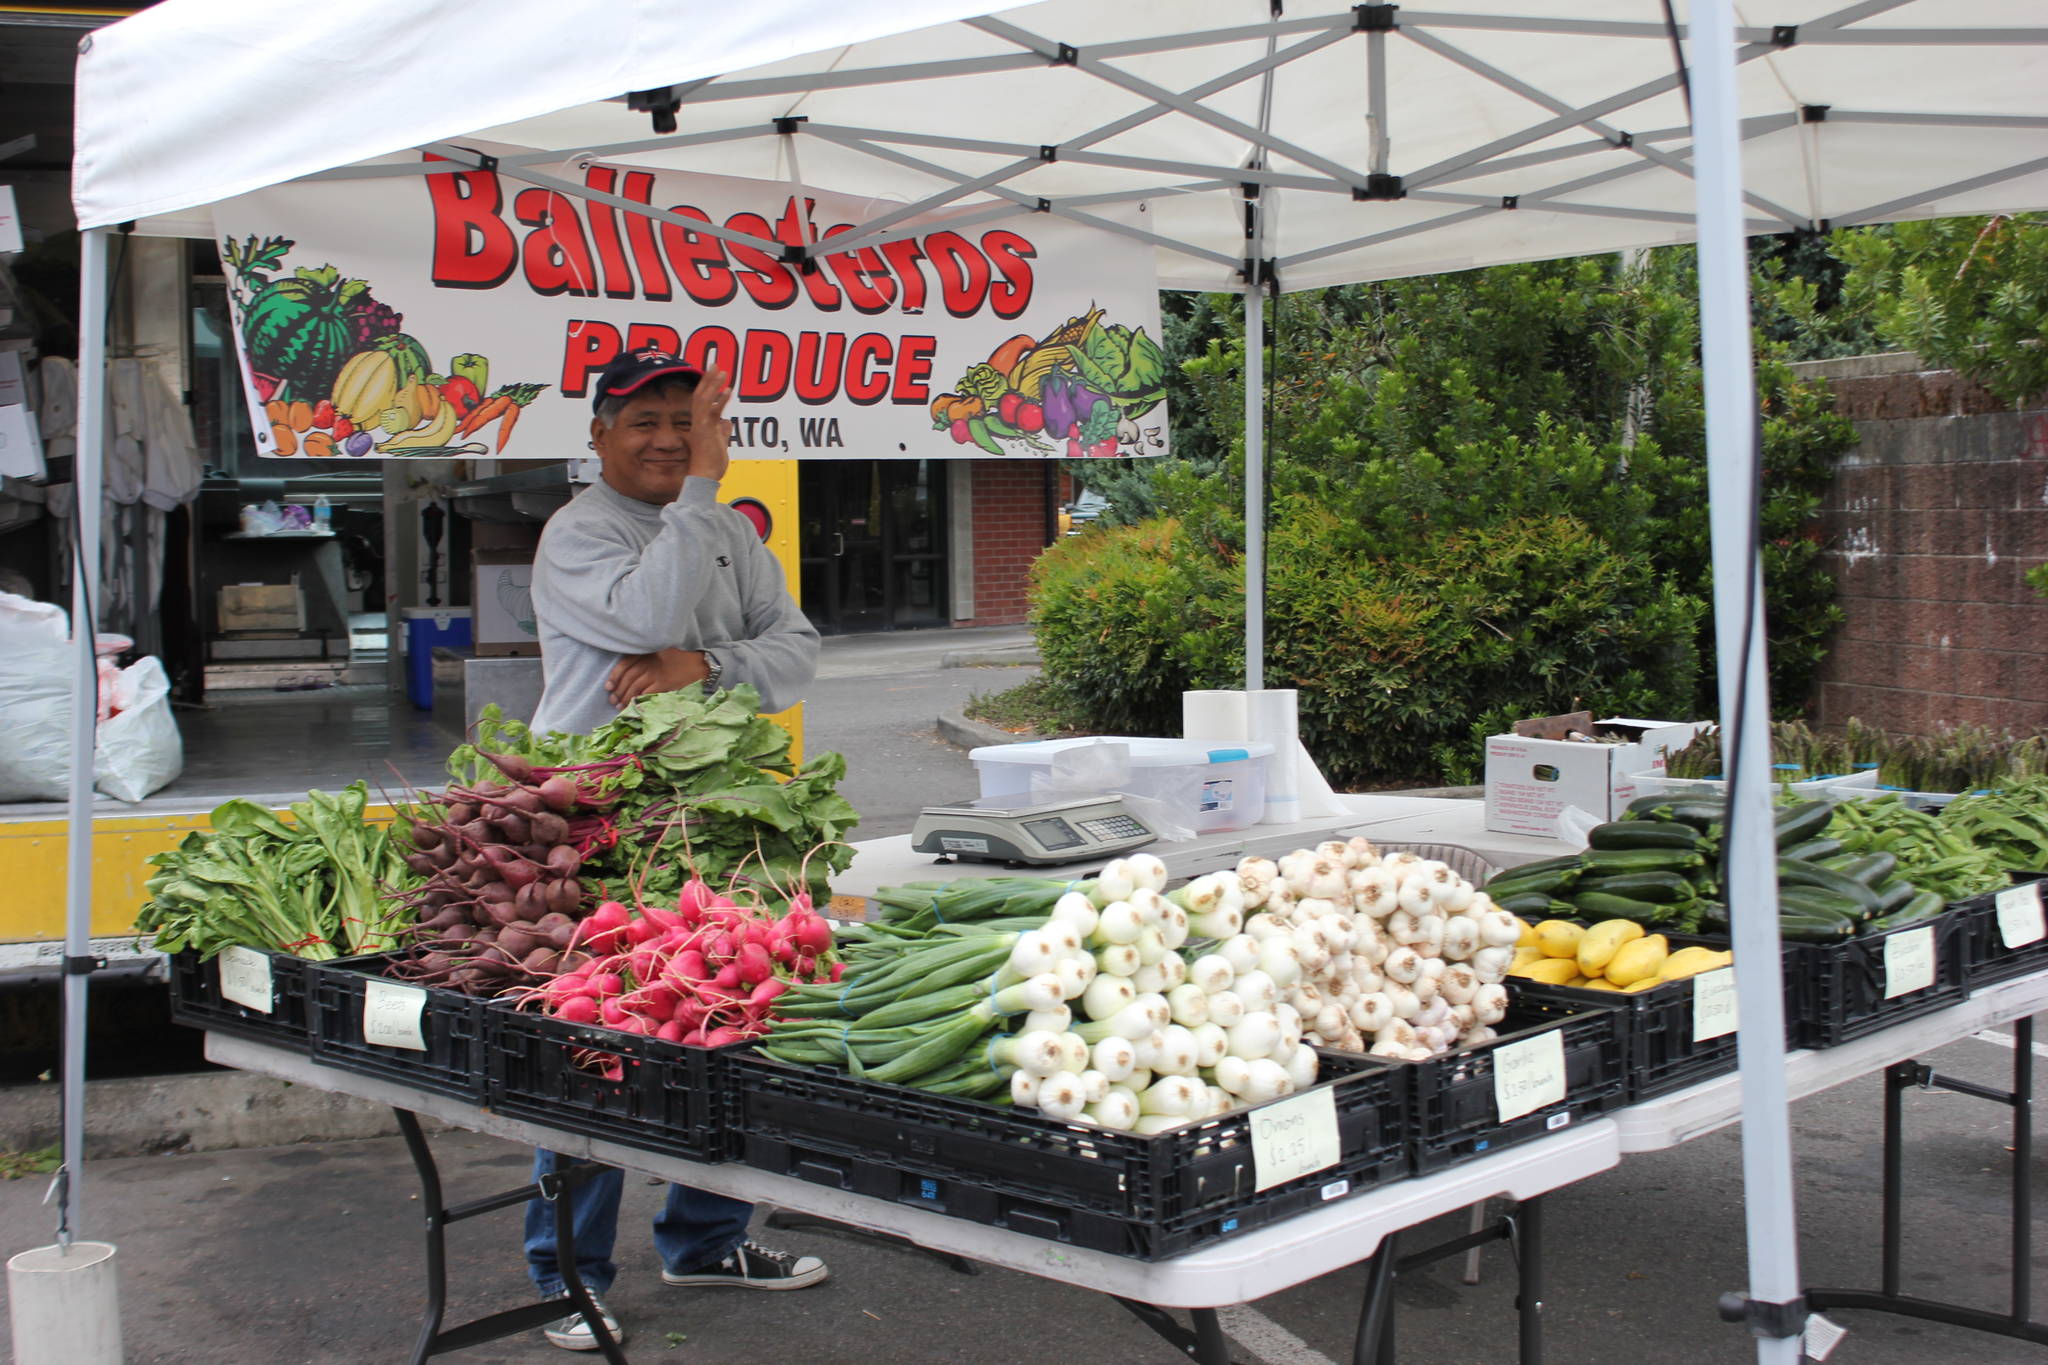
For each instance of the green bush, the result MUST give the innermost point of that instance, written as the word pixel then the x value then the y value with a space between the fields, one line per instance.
pixel 1487 501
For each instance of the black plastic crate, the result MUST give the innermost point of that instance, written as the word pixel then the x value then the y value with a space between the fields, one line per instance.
pixel 635 1090
pixel 1987 958
pixel 1124 1193
pixel 196 999
pixel 451 1026
pixel 1842 983
pixel 1452 1111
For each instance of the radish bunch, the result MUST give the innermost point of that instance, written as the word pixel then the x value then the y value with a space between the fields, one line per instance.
pixel 705 973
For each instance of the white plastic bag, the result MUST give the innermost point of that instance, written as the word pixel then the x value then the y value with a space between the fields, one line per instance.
pixel 138 750
pixel 36 668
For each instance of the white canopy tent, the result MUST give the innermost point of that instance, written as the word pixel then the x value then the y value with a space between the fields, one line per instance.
pixel 1272 145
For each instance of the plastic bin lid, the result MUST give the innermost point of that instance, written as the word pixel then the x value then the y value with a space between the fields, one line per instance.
pixel 1146 752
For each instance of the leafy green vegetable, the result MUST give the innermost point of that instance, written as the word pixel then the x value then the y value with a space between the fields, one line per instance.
pixel 702 791
pixel 309 888
pixel 1125 365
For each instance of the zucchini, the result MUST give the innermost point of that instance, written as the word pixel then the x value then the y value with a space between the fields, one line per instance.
pixel 1812 850
pixel 1894 894
pixel 1813 928
pixel 1798 874
pixel 1601 861
pixel 1534 884
pixel 1598 905
pixel 1872 869
pixel 1713 916
pixel 1524 903
pixel 1797 824
pixel 1811 900
pixel 1924 906
pixel 1568 863
pixel 1665 888
pixel 1644 834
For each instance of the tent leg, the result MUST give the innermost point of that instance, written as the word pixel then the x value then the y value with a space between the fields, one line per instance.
pixel 1254 486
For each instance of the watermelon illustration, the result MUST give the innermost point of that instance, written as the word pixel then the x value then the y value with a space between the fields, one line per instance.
pixel 297 329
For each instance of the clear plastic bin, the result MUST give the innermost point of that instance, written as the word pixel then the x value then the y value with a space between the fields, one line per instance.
pixel 1206 786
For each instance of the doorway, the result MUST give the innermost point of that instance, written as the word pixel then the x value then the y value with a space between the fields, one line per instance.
pixel 872 544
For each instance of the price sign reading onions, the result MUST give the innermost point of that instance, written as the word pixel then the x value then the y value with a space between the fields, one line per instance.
pixel 245 978
pixel 1713 1005
pixel 1908 962
pixel 1292 1137
pixel 391 1015
pixel 2019 915
pixel 1529 1074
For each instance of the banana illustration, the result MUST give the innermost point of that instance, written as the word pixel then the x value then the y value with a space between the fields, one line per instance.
pixel 439 431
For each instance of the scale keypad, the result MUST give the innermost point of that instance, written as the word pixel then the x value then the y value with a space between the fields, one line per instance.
pixel 1110 827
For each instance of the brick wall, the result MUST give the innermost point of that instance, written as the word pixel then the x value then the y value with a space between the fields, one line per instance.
pixel 1933 520
pixel 1011 505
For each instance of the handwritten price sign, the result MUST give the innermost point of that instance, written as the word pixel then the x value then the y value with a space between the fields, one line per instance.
pixel 1292 1137
pixel 1908 962
pixel 391 1015
pixel 2019 915
pixel 1713 1005
pixel 245 978
pixel 1528 1075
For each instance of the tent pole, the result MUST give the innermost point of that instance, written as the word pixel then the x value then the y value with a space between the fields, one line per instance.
pixel 1255 483
pixel 1774 1298
pixel 87 495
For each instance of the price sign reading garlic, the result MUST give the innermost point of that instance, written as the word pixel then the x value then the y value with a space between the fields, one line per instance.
pixel 391 1015
pixel 1713 1004
pixel 245 978
pixel 2019 915
pixel 1528 1075
pixel 1908 962
pixel 1292 1137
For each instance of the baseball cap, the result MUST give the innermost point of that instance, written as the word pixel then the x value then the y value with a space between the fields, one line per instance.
pixel 632 370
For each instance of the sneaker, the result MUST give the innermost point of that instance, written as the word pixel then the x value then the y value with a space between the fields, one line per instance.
pixel 753 1266
pixel 573 1333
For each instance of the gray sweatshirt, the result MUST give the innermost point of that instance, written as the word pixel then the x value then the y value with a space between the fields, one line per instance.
pixel 617 576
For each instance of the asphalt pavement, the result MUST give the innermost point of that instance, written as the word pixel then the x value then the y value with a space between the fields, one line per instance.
pixel 311 1253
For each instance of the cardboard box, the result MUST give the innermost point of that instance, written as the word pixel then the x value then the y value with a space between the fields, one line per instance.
pixel 1529 781
pixel 262 606
pixel 501 605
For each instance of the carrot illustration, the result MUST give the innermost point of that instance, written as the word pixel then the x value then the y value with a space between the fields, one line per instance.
pixel 505 426
pixel 484 412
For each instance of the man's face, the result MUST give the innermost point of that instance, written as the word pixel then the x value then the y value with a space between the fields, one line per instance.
pixel 646 450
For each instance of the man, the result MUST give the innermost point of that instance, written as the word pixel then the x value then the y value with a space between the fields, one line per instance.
pixel 645 582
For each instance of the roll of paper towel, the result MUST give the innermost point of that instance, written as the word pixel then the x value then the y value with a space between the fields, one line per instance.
pixel 1220 717
pixel 1272 720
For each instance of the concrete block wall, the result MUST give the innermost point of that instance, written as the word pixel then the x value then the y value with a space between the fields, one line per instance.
pixel 1933 520
pixel 1012 507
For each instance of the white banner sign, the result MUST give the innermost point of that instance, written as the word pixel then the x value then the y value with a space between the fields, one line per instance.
pixel 466 314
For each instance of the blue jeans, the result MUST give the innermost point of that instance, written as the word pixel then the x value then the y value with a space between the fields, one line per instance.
pixel 694 1229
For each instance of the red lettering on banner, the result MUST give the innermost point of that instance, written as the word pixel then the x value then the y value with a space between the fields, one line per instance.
pixel 604 234
pixel 642 336
pixel 699 260
pixel 818 358
pixel 592 345
pixel 639 188
pixel 764 367
pixel 865 383
pixel 557 259
pixel 767 280
pixel 913 368
pixel 963 272
pixel 904 255
pixel 473 249
pixel 1011 254
pixel 713 348
pixel 862 274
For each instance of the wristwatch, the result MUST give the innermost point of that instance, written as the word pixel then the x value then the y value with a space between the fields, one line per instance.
pixel 717 667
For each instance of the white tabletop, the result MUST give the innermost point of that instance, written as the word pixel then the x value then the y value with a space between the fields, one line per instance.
pixel 1238 1270
pixel 1383 819
pixel 1683 1115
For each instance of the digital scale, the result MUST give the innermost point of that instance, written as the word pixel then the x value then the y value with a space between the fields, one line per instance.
pixel 997 829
